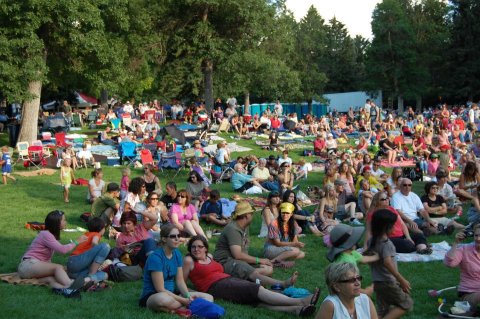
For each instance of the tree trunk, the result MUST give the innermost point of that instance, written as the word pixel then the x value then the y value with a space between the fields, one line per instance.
pixel 104 98
pixel 419 103
pixel 29 124
pixel 247 103
pixel 208 73
pixel 400 104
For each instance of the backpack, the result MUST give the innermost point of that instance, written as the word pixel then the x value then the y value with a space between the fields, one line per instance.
pixel 206 309
pixel 126 273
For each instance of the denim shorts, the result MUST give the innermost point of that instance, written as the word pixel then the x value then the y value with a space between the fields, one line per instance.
pixel 25 269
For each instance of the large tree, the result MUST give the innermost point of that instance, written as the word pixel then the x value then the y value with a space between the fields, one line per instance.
pixel 64 42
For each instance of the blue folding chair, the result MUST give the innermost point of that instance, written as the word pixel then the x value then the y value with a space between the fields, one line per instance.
pixel 128 150
pixel 170 161
pixel 115 123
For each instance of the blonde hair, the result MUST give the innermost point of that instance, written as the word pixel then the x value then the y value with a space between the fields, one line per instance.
pixel 126 171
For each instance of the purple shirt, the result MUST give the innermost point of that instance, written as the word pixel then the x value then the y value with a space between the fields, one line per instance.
pixel 469 261
pixel 44 245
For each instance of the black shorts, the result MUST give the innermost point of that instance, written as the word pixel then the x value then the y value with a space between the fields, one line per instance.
pixel 143 301
pixel 245 186
pixel 235 290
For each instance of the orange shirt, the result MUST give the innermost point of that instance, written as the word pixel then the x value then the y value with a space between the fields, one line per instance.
pixel 86 245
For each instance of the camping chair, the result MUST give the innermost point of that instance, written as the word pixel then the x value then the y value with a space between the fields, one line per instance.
pixel 115 124
pixel 46 150
pixel 22 149
pixel 128 150
pixel 146 157
pixel 92 117
pixel 159 117
pixel 77 120
pixel 170 161
pixel 127 120
pixel 35 157
pixel 60 139
pixel 152 147
pixel 224 126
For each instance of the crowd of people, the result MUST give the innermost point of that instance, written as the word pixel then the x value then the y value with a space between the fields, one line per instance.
pixel 357 197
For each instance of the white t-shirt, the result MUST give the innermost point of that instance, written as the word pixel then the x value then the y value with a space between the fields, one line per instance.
pixel 367 107
pixel 278 109
pixel 282 160
pixel 377 173
pixel 362 307
pixel 471 116
pixel 128 108
pixel 409 205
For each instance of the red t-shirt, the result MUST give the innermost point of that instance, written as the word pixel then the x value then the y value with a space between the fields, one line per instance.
pixel 203 276
pixel 397 230
pixel 274 123
pixel 319 144
pixel 86 245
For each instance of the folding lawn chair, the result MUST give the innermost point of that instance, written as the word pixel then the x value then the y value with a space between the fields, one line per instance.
pixel 127 120
pixel 92 117
pixel 224 126
pixel 149 114
pixel 146 157
pixel 35 157
pixel 77 120
pixel 128 150
pixel 22 149
pixel 46 150
pixel 115 124
pixel 152 147
pixel 170 161
pixel 60 139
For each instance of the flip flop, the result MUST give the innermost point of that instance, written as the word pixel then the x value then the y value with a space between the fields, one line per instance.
pixel 315 297
pixel 307 311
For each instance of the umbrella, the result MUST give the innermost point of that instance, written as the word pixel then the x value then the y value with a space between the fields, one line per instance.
pixel 176 133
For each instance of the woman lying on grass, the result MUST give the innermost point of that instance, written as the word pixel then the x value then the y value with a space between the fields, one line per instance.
pixel 164 288
pixel 208 276
pixel 36 262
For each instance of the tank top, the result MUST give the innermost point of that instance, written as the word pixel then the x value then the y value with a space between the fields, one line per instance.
pixel 362 307
pixel 150 187
pixel 204 275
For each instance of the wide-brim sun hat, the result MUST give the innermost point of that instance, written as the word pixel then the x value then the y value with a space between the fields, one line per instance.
pixel 343 237
pixel 242 208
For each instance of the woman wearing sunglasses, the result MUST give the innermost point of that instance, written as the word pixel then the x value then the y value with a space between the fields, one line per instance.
pixel 37 261
pixel 164 287
pixel 345 300
pixel 403 240
pixel 207 275
pixel 184 215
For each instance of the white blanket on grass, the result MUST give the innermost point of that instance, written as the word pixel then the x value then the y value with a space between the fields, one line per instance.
pixel 439 252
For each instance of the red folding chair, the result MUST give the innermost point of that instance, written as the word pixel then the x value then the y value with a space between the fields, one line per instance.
pixel 60 139
pixel 146 157
pixel 35 157
pixel 149 114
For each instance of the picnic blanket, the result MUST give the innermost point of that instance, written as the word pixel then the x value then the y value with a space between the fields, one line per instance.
pixel 14 278
pixel 439 252
pixel 42 171
pixel 259 202
pixel 232 147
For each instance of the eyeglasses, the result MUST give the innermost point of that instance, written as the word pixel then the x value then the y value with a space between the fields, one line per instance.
pixel 435 187
pixel 385 198
pixel 182 196
pixel 193 176
pixel 175 236
pixel 197 247
pixel 407 185
pixel 154 198
pixel 286 213
pixel 351 280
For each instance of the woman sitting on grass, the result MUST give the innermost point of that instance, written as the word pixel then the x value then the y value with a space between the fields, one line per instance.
pixel 164 287
pixel 282 240
pixel 184 215
pixel 37 261
pixel 208 276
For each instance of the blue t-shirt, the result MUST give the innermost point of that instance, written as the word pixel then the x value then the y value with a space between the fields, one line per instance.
pixel 157 261
pixel 7 165
pixel 239 179
pixel 211 208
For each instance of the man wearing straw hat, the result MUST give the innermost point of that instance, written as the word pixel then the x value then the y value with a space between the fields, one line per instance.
pixel 232 251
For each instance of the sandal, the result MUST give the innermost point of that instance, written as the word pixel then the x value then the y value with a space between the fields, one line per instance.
pixel 284 264
pixel 315 297
pixel 307 311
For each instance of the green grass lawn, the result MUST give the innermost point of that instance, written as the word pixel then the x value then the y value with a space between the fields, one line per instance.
pixel 32 198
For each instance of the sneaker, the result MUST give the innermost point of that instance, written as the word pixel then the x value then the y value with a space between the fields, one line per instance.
pixel 355 222
pixel 67 293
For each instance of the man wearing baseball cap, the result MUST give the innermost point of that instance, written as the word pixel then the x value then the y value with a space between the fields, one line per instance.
pixel 232 251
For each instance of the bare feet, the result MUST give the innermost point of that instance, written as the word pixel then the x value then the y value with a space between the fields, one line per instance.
pixel 292 280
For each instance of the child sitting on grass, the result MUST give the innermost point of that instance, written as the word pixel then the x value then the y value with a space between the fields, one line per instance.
pixel 391 288
pixel 88 256
pixel 344 240
pixel 6 163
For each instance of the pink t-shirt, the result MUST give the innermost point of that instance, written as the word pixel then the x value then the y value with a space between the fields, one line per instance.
pixel 124 183
pixel 469 261
pixel 176 210
pixel 140 233
pixel 44 245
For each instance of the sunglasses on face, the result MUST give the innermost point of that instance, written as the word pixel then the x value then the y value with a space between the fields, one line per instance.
pixel 154 198
pixel 197 247
pixel 385 198
pixel 182 196
pixel 174 236
pixel 351 280
pixel 407 185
